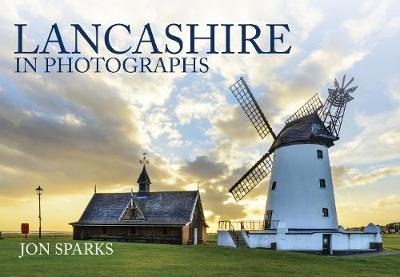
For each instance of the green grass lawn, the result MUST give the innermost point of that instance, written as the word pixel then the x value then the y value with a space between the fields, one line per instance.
pixel 391 242
pixel 203 260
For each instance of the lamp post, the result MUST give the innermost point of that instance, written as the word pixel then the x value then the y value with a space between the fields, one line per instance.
pixel 39 191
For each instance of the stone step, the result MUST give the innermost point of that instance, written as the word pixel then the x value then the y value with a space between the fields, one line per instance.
pixel 241 242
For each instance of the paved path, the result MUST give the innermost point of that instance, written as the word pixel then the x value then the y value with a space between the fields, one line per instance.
pixel 371 254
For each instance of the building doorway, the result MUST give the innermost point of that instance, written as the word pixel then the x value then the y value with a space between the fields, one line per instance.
pixel 326 244
pixel 268 219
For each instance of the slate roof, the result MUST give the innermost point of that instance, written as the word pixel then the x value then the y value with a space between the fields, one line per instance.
pixel 307 129
pixel 158 208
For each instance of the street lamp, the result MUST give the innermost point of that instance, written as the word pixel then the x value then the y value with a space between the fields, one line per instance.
pixel 39 191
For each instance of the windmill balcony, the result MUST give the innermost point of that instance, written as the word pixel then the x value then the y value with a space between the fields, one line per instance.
pixel 247 225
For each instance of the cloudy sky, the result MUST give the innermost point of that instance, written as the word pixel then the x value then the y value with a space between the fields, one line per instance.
pixel 68 132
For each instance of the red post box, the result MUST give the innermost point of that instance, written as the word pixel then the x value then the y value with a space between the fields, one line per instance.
pixel 25 229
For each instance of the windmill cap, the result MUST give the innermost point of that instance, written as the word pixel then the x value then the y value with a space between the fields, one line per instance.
pixel 307 129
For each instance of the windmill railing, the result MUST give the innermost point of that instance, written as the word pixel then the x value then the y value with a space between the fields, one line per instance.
pixel 247 225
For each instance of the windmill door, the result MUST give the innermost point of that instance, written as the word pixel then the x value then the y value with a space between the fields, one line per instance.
pixel 268 218
pixel 326 244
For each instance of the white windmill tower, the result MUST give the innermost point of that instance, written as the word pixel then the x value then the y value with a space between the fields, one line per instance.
pixel 300 213
pixel 300 192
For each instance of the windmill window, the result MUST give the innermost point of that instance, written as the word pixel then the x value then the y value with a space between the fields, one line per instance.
pixel 273 185
pixel 322 183
pixel 319 154
pixel 325 212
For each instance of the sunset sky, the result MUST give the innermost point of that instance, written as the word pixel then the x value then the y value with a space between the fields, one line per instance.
pixel 68 132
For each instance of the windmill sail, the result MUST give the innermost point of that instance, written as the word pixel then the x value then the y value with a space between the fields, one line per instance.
pixel 311 106
pixel 252 177
pixel 249 104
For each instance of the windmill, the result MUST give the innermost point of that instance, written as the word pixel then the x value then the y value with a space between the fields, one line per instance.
pixel 300 191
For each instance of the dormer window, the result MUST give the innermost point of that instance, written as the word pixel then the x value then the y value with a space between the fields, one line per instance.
pixel 132 212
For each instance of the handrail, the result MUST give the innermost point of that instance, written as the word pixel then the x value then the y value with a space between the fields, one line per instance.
pixel 233 234
pixel 247 225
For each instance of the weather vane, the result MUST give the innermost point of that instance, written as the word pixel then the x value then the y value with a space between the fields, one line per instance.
pixel 144 160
